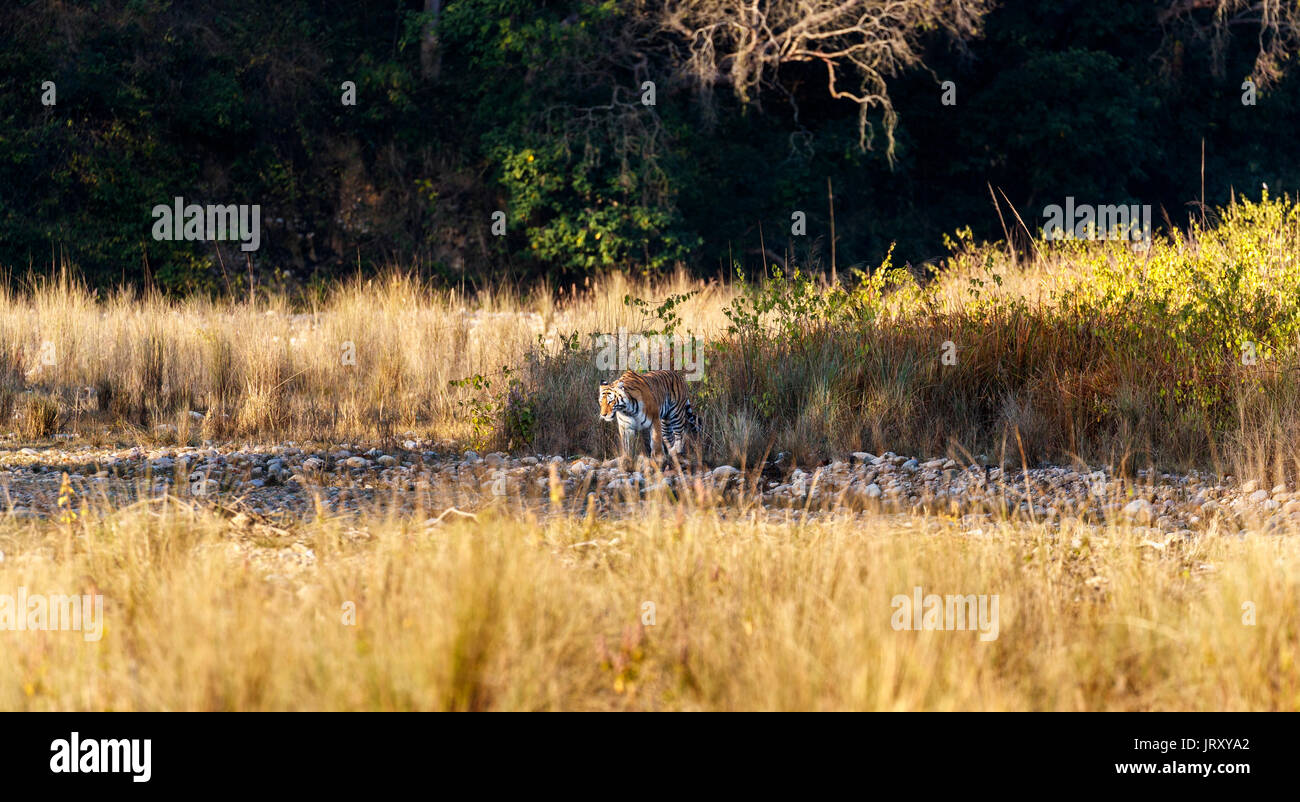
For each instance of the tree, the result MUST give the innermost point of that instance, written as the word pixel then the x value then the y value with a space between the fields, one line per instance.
pixel 745 43
pixel 430 53
pixel 1278 34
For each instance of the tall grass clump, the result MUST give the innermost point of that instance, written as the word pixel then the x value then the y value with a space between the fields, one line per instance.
pixel 1182 353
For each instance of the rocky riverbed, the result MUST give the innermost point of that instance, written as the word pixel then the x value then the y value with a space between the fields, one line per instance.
pixel 295 481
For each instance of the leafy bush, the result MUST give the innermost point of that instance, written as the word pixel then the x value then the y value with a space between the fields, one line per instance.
pixel 505 417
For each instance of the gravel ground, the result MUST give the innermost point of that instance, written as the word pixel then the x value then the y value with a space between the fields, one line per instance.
pixel 286 482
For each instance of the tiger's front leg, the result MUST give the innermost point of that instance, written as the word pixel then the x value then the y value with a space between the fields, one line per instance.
pixel 629 437
pixel 657 441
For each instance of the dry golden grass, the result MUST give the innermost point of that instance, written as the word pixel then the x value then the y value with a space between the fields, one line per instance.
pixel 368 359
pixel 507 613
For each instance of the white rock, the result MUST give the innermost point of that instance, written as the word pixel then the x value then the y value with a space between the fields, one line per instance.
pixel 1139 510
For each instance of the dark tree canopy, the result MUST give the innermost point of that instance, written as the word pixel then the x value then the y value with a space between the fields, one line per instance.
pixel 539 109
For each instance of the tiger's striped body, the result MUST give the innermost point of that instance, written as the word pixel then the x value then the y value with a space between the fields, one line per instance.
pixel 652 407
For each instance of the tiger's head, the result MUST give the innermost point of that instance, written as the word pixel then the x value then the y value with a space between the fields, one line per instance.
pixel 612 399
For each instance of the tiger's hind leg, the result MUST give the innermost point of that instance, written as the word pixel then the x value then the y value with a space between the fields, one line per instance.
pixel 673 448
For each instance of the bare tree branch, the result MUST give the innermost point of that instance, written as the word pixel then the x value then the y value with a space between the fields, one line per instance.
pixel 1278 24
pixel 744 43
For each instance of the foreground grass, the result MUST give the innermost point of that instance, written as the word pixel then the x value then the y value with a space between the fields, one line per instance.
pixel 525 614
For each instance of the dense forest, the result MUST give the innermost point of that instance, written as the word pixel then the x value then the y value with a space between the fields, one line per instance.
pixel 480 141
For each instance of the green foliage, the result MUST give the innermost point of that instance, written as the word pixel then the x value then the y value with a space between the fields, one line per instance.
pixel 1199 306
pixel 519 416
pixel 506 416
pixel 665 314
pixel 793 307
pixel 582 217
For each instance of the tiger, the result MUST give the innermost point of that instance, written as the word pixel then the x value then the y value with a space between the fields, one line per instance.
pixel 652 406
